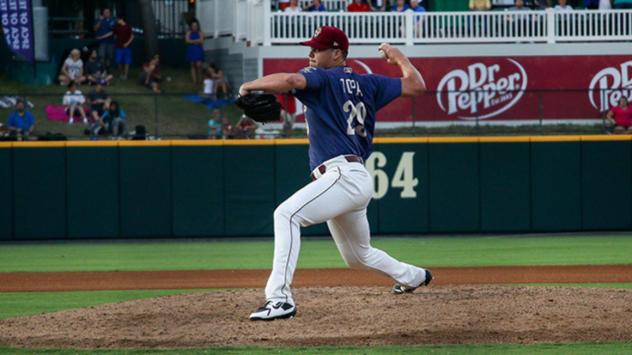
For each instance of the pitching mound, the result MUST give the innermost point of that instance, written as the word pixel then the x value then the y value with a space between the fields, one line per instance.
pixel 339 316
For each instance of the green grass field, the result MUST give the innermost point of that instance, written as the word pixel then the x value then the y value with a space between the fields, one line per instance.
pixel 315 253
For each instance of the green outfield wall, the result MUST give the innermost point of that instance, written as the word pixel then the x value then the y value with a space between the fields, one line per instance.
pixel 154 189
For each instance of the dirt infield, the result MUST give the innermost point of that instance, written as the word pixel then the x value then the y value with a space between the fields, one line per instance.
pixel 76 281
pixel 339 316
pixel 335 307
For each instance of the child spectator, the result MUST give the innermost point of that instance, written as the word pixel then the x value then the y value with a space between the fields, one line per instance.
pixel 72 69
pixel 21 122
pixel 215 125
pixel 95 70
pixel 359 6
pixel 114 117
pixel 150 75
pixel 74 100
pixel 99 102
pixel 124 38
pixel 195 52
pixel 208 88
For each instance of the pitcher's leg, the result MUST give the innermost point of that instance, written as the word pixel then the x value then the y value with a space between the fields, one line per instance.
pixel 352 236
pixel 315 203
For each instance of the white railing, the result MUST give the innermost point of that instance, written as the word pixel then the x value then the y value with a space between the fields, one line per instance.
pixel 458 27
pixel 593 25
pixel 255 22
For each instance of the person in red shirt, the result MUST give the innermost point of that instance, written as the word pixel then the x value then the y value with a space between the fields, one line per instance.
pixel 621 117
pixel 123 52
pixel 359 6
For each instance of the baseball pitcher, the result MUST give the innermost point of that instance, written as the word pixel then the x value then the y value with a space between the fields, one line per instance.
pixel 340 115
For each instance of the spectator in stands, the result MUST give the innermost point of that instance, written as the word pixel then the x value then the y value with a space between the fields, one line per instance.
pixel 359 6
pixel 227 128
pixel 21 122
pixel 115 118
pixel 220 82
pixel 416 6
pixel 74 100
pixel 400 6
pixel 123 53
pixel 215 125
pixel 519 24
pixel 562 6
pixel 208 89
pixel 150 75
pixel 95 70
pixel 104 36
pixel 623 4
pixel 245 128
pixel 480 5
pixel 591 4
pixel 316 6
pixel 621 117
pixel 378 5
pixel 99 102
pixel 72 69
pixel 605 5
pixel 519 6
pixel 283 4
pixel 293 8
pixel 195 52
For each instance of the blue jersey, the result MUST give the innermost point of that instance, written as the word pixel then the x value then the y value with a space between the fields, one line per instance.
pixel 340 110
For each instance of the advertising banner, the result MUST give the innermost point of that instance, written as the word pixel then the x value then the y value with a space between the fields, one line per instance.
pixel 500 88
pixel 16 17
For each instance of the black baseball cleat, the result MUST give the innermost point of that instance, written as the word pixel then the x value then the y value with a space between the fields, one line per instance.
pixel 274 310
pixel 401 289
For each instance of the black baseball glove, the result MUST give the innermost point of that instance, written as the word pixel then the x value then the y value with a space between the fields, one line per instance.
pixel 260 107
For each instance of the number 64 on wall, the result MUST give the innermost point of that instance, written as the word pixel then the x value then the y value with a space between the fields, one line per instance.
pixel 403 178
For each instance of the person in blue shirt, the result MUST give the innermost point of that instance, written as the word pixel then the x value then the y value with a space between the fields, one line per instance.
pixel 316 6
pixel 417 6
pixel 115 119
pixel 21 122
pixel 104 36
pixel 341 107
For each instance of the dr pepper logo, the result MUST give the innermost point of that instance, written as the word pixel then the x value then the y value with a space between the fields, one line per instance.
pixel 607 86
pixel 482 91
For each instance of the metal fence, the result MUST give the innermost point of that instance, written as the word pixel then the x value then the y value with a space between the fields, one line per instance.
pixel 188 116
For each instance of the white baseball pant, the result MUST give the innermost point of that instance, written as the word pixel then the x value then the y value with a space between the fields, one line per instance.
pixel 340 197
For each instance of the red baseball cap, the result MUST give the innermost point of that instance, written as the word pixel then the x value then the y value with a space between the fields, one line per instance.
pixel 327 37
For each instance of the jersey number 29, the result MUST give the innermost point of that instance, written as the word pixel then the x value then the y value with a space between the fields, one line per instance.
pixel 357 112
